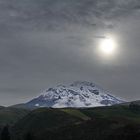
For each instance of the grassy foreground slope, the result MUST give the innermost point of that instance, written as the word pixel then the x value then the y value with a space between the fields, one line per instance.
pixel 97 129
pixel 101 123
pixel 77 113
pixel 44 119
pixel 124 112
pixel 10 115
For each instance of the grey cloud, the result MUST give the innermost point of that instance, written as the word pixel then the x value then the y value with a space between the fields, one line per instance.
pixel 99 36
pixel 58 14
pixel 48 42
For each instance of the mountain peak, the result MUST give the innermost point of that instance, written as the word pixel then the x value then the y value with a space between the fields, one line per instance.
pixel 77 94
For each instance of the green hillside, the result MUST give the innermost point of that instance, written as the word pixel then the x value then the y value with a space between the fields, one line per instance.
pixel 11 115
pixel 101 123
pixel 113 112
pixel 69 123
pixel 77 113
pixel 45 119
pixel 95 129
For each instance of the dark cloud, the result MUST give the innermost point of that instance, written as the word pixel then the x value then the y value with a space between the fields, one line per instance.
pixel 58 14
pixel 48 42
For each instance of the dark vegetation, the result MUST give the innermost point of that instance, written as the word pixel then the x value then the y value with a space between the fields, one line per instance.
pixel 120 122
pixel 11 115
pixel 5 134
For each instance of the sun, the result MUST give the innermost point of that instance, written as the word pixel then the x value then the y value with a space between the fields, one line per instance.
pixel 107 46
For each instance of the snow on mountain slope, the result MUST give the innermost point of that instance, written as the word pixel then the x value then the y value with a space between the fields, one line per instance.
pixel 78 94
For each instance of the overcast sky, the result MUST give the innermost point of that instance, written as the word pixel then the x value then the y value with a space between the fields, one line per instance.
pixel 48 42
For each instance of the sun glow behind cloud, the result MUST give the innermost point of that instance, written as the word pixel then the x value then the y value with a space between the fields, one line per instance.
pixel 107 47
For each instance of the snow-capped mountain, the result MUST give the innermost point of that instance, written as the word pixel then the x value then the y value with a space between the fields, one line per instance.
pixel 78 94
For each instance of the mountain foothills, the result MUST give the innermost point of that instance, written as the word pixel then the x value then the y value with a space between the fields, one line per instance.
pixel 77 94
pixel 100 123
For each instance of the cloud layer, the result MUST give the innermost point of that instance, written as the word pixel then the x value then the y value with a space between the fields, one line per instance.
pixel 48 42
